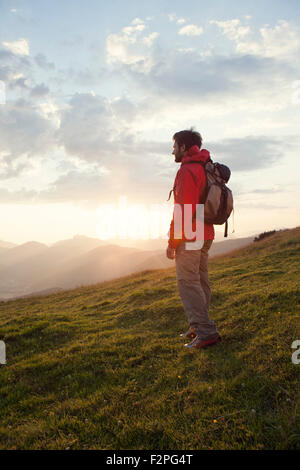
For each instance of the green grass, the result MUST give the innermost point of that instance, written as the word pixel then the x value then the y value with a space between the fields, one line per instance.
pixel 103 367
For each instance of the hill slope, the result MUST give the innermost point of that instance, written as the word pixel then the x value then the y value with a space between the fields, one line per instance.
pixel 22 272
pixel 102 366
pixel 81 261
pixel 21 253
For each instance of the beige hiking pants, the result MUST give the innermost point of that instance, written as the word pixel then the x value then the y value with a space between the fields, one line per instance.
pixel 194 289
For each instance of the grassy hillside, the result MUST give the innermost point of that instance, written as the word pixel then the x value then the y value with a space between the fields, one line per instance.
pixel 103 367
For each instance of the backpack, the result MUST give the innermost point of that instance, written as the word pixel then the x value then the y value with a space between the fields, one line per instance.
pixel 218 199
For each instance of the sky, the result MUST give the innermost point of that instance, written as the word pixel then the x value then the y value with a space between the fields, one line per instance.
pixel 91 94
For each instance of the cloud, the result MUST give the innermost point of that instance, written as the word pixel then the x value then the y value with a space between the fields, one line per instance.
pixel 19 47
pixel 217 83
pixel 128 47
pixel 83 77
pixel 131 47
pixel 233 29
pixel 24 132
pixel 13 78
pixel 5 54
pixel 14 66
pixel 22 196
pixel 18 81
pixel 172 17
pixel 10 168
pixel 98 130
pixel 148 40
pixel 86 128
pixel 137 21
pixel 89 186
pixel 137 170
pixel 39 90
pixel 181 73
pixel 122 139
pixel 136 178
pixel 281 42
pixel 140 175
pixel 42 62
pixel 130 30
pixel 249 153
pixel 191 30
pixel 17 71
pixel 213 84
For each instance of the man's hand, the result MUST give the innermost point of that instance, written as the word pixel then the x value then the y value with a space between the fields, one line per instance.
pixel 170 253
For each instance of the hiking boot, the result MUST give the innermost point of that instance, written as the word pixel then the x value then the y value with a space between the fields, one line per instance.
pixel 189 334
pixel 197 343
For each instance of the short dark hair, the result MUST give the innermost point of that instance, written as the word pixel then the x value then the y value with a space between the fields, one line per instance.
pixel 188 138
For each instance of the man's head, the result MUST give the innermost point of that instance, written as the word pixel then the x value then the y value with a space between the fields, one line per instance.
pixel 183 141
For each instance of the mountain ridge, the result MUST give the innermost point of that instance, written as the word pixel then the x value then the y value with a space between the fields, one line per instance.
pixel 80 261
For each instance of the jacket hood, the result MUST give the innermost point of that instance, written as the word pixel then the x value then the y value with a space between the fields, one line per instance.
pixel 194 153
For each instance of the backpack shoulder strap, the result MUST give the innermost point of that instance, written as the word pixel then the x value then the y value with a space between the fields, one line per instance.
pixel 197 161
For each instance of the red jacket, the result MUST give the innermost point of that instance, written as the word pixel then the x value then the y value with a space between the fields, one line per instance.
pixel 189 188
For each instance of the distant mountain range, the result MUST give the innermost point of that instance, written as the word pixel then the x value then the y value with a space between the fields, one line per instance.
pixel 34 267
pixel 5 245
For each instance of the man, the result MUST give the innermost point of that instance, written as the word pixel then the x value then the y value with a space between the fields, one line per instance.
pixel 191 264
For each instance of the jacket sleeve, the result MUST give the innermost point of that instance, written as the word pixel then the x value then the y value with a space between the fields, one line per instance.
pixel 186 192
